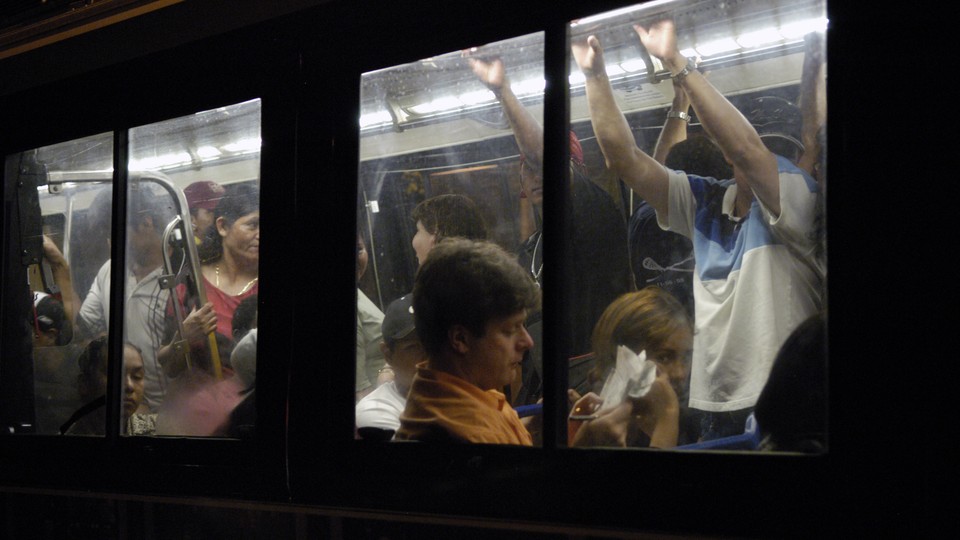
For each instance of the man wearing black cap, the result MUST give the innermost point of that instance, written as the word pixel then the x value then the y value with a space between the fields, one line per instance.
pixel 402 350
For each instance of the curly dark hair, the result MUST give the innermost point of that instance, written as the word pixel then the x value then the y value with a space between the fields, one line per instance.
pixel 451 215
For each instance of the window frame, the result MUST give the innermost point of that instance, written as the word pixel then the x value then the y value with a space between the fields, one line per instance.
pixel 100 102
pixel 310 106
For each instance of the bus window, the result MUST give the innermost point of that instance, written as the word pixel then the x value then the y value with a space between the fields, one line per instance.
pixel 62 218
pixel 192 267
pixel 705 122
pixel 443 145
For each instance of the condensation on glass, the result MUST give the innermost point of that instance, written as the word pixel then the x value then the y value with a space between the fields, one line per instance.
pixel 192 267
pixel 190 280
pixel 436 143
pixel 62 226
pixel 702 324
pixel 696 88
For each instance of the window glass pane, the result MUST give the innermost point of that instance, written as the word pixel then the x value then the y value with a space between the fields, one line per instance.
pixel 439 160
pixel 193 229
pixel 53 376
pixel 705 121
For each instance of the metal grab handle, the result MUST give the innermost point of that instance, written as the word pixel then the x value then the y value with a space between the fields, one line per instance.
pixel 193 260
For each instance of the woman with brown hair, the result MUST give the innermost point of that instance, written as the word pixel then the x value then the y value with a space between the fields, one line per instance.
pixel 653 322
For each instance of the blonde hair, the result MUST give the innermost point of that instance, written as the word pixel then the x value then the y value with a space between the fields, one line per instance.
pixel 640 320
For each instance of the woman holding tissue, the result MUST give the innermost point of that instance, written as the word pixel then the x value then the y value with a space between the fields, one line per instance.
pixel 649 325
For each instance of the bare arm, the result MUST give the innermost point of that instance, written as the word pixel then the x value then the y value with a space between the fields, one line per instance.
pixel 61 274
pixel 528 221
pixel 739 141
pixel 813 102
pixel 674 128
pixel 637 169
pixel 525 127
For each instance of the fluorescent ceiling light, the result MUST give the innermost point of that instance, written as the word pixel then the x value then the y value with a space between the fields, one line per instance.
pixel 633 66
pixel 477 97
pixel 529 86
pixel 613 70
pixel 616 13
pixel 536 85
pixel 717 47
pixel 374 119
pixel 160 162
pixel 245 145
pixel 797 30
pixel 440 104
pixel 207 152
pixel 759 38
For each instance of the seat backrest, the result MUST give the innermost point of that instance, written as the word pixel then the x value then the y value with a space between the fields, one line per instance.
pixel 748 440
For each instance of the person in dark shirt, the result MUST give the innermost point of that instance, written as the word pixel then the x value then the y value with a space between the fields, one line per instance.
pixel 598 257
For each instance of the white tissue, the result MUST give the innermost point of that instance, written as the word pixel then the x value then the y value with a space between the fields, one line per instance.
pixel 632 377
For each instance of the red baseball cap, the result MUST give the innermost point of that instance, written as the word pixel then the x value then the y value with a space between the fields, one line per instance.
pixel 203 194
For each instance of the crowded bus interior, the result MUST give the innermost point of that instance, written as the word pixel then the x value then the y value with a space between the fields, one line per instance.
pixel 667 162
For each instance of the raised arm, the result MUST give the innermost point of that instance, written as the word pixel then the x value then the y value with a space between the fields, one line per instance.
pixel 813 102
pixel 739 141
pixel 526 129
pixel 675 126
pixel 61 274
pixel 637 169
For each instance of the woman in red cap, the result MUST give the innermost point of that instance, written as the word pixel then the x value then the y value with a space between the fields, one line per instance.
pixel 202 198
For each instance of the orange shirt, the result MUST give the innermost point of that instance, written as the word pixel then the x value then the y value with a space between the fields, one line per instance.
pixel 441 406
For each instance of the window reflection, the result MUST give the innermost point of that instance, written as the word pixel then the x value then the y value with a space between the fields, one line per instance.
pixel 193 252
pixel 439 161
pixel 696 245
pixel 191 280
pixel 63 214
pixel 712 119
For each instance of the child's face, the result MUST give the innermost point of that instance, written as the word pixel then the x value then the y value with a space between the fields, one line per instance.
pixel 132 380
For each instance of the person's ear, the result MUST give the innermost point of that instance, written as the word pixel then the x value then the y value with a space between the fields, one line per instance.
pixel 221 226
pixel 51 335
pixel 459 338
